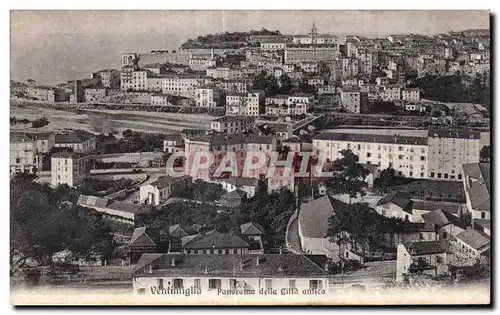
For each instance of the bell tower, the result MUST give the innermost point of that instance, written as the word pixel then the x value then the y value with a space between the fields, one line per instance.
pixel 314 34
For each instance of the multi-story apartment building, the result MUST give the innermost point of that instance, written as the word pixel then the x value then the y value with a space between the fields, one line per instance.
pixel 349 67
pixel 126 76
pixel 351 99
pixel 296 54
pixel 42 93
pixel 27 151
pixel 365 62
pixel 80 141
pixel 173 143
pixel 218 144
pixel 208 96
pixel 234 86
pixel 95 95
pixel 226 73
pixel 316 81
pixel 410 94
pixel 161 99
pixel 232 124
pixel 408 156
pixel 449 150
pixel 214 274
pixel 183 84
pixel 286 109
pixel 110 78
pixel 201 63
pixel 248 104
pixel 17 88
pixel 309 66
pixel 68 168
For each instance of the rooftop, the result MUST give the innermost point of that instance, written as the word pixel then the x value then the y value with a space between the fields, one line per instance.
pixel 241 266
pixel 232 118
pixel 216 240
pixel 427 247
pixel 333 136
pixel 473 238
pixel 217 138
pixel 77 136
pixel 313 216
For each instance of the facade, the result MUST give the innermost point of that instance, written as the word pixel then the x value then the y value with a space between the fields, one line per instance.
pixel 310 54
pixel 351 99
pixel 214 243
pixel 27 151
pixel 215 274
pixel 42 93
pixel 395 205
pixel 110 78
pixel 472 243
pixel 248 104
pixel 247 184
pixel 409 94
pixel 408 156
pixel 232 124
pixel 208 96
pixel 424 256
pixel 68 168
pixel 80 141
pixel 159 191
pixel 173 143
pixel 477 187
pixel 449 150
pixel 161 99
pixel 96 95
pixel 183 85
pixel 233 86
pixel 226 73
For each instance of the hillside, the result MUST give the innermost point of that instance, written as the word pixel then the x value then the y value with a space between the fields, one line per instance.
pixel 225 40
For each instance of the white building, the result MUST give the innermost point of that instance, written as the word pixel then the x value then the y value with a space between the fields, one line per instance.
pixel 408 156
pixel 68 168
pixel 161 99
pixel 183 84
pixel 232 124
pixel 80 141
pixel 477 187
pixel 173 143
pixel 27 151
pixel 159 191
pixel 472 243
pixel 247 184
pixel 409 94
pixel 214 274
pixel 248 104
pixel 208 96
pixel 351 99
pixel 449 150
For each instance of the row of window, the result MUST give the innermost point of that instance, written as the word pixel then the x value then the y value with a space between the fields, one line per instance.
pixel 214 284
pixel 445 176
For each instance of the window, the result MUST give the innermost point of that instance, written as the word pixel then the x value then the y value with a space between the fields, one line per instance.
pixel 214 284
pixel 483 215
pixel 18 160
pixel 178 283
pixel 459 176
pixel 439 175
pixel 159 283
pixel 422 158
pixel 407 218
pixel 445 175
pixel 411 174
pixel 197 283
pixel 400 157
pixel 269 283
pixel 368 154
pixel 314 284
pixel 432 174
pixel 359 147
pixel 445 235
pixel 232 284
pixel 421 174
pixel 401 149
pixel 292 284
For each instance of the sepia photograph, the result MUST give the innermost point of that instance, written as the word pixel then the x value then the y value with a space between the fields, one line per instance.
pixel 250 157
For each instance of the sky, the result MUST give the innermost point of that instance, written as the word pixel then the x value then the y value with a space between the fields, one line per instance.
pixel 56 46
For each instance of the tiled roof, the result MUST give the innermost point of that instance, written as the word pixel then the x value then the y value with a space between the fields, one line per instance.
pixel 427 247
pixel 479 190
pixel 241 181
pixel 93 201
pixel 216 240
pixel 313 216
pixel 458 134
pixel 67 155
pixel 177 231
pixel 251 228
pixel 237 194
pixel 371 138
pixel 447 207
pixel 77 136
pixel 473 238
pixel 240 266
pixel 141 238
pixel 20 136
pixel 436 217
pixel 219 138
pixel 166 181
pixel 173 137
pixel 400 199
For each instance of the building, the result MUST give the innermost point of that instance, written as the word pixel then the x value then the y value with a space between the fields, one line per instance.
pixel 423 256
pixel 313 227
pixel 247 104
pixel 161 99
pixel 395 205
pixel 208 96
pixel 27 151
pixel 42 93
pixel 232 124
pixel 173 143
pixel 214 274
pixel 234 198
pixel 274 44
pixel 225 73
pixel 296 54
pixel 410 94
pixel 233 86
pixel 472 243
pixel 477 187
pixel 96 95
pixel 18 88
pixel 68 168
pixel 202 62
pixel 309 66
pixel 214 243
pixel 110 78
pixel 407 155
pixel 247 184
pixel 351 99
pixel 119 211
pixel 449 150
pixel 78 95
pixel 157 192
pixel 79 140
pixel 447 225
pixel 145 240
pixel 219 144
pixel 183 84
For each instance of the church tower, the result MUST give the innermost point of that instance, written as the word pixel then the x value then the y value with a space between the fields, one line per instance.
pixel 314 34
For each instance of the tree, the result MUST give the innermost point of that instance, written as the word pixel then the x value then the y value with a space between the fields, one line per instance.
pixel 351 177
pixel 285 84
pixel 127 133
pixel 485 153
pixel 385 179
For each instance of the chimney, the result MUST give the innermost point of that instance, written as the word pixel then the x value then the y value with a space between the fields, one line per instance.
pixel 172 264
pixel 151 268
pixel 206 270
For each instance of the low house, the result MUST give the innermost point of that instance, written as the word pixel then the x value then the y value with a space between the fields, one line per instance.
pixel 421 207
pixel 234 198
pixel 173 143
pixel 397 205
pixel 313 227
pixel 145 240
pixel 215 274
pixel 483 225
pixel 447 225
pixel 472 243
pixel 214 242
pixel 120 211
pixel 158 191
pixel 247 184
pixel 477 189
pixel 421 257
pixel 80 141
pixel 252 233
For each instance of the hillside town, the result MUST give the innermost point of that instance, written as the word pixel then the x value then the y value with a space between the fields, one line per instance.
pixel 353 163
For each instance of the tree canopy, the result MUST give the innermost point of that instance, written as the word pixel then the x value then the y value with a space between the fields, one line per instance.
pixel 350 174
